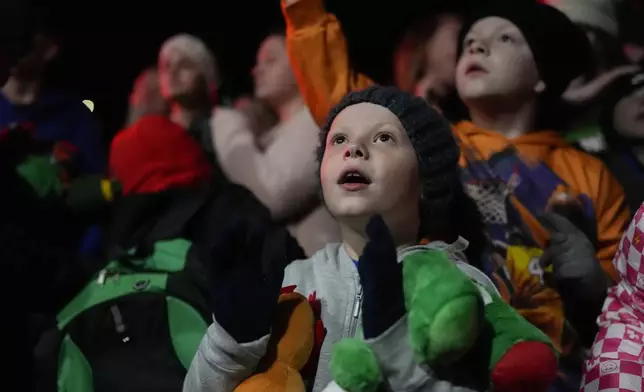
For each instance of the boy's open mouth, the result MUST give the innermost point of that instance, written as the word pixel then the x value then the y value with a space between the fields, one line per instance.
pixel 475 68
pixel 353 180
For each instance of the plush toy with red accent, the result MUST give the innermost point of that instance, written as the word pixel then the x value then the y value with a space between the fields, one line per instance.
pixel 294 346
pixel 453 311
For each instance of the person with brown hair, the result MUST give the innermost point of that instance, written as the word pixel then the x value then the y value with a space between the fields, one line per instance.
pixel 276 164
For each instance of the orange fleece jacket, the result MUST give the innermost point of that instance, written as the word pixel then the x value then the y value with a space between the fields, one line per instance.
pixel 318 54
pixel 582 172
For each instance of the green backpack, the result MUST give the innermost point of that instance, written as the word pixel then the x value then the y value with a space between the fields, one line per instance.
pixel 135 327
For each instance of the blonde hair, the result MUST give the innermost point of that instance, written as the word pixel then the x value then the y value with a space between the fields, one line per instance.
pixel 196 50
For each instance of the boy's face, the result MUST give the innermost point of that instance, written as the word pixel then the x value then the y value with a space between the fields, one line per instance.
pixel 496 64
pixel 369 165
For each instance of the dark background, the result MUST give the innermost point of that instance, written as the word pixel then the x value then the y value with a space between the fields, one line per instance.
pixel 107 44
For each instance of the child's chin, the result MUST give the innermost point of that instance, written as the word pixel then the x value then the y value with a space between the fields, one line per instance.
pixel 354 211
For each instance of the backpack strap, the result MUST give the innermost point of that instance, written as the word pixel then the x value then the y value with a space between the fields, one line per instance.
pixel 169 256
pixel 170 225
pixel 176 219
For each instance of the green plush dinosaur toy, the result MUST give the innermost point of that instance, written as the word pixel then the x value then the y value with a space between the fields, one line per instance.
pixel 454 314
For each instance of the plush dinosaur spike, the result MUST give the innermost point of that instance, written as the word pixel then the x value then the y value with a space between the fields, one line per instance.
pixel 363 373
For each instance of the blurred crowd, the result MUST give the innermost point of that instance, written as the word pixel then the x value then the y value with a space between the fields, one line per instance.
pixel 474 225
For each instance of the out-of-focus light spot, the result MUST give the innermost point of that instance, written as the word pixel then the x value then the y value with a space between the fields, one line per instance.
pixel 89 104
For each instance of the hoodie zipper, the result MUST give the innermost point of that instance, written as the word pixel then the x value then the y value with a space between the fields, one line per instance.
pixel 355 316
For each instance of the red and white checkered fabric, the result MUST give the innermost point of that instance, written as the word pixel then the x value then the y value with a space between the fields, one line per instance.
pixel 614 376
pixel 617 358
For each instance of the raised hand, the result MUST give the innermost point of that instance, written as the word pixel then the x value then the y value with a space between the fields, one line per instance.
pixel 289 2
pixel 571 255
pixel 578 275
pixel 248 261
pixel 581 94
pixel 260 117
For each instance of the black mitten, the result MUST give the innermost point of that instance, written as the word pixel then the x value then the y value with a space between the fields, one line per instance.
pixel 249 259
pixel 381 278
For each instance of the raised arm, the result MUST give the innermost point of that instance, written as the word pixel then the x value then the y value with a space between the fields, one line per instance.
pixel 246 274
pixel 281 176
pixel 317 50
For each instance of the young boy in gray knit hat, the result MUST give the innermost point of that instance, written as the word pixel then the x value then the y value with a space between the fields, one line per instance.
pixel 388 164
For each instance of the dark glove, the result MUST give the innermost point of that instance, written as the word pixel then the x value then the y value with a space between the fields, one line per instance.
pixel 578 275
pixel 249 258
pixel 572 256
pixel 381 278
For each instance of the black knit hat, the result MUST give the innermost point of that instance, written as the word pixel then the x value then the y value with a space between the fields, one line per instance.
pixel 560 49
pixel 429 133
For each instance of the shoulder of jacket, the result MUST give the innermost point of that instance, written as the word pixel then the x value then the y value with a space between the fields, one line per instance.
pixel 585 159
pixel 455 251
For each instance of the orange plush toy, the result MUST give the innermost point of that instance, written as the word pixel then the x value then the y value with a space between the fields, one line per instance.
pixel 289 349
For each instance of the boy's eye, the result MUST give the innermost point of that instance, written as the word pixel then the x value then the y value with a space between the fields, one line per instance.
pixel 338 139
pixel 383 138
pixel 506 38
